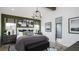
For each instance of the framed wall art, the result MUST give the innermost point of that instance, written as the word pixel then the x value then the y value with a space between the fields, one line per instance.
pixel 48 27
pixel 73 25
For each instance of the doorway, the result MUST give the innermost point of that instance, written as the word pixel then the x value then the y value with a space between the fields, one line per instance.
pixel 58 25
pixel 58 30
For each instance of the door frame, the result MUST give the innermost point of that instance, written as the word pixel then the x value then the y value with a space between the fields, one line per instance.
pixel 56 27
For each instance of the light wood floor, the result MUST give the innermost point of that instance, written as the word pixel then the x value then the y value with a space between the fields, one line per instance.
pixel 59 47
pixel 4 48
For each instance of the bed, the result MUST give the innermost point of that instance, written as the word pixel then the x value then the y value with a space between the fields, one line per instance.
pixel 32 43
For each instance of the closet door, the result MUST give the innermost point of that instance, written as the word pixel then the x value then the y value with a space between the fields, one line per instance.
pixel 58 30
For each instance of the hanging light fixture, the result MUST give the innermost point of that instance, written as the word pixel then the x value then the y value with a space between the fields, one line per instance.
pixel 37 14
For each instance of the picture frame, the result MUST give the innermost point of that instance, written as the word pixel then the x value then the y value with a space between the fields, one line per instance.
pixel 48 27
pixel 73 25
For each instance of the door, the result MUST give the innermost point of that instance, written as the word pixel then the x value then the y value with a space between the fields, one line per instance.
pixel 58 30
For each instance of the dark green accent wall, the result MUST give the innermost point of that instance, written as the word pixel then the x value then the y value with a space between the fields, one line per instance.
pixel 15 17
pixel 2 26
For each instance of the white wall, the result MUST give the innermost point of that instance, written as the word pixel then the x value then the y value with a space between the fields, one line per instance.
pixel 18 11
pixel 65 12
pixel 49 16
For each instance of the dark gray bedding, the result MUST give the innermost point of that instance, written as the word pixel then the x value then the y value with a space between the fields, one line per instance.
pixel 30 42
